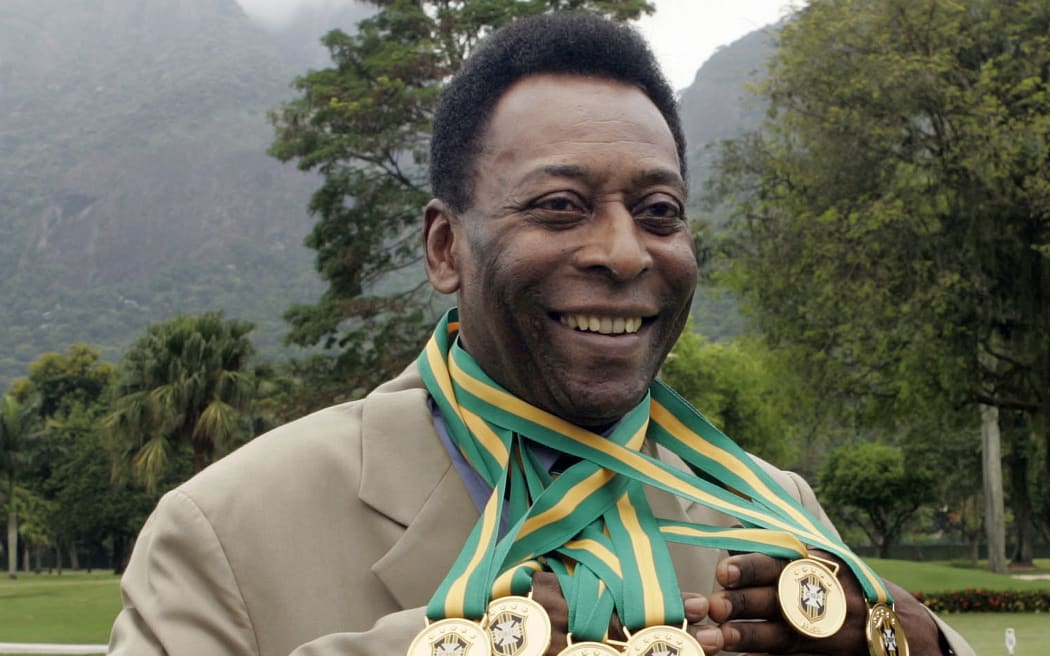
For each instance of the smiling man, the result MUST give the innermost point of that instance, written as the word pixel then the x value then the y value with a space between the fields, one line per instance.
pixel 526 487
pixel 573 264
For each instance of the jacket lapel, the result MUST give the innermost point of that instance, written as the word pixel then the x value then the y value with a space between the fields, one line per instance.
pixel 408 476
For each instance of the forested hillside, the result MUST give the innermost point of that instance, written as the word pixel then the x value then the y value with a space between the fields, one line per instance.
pixel 134 182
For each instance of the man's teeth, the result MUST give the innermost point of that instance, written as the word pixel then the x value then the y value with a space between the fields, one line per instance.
pixel 603 325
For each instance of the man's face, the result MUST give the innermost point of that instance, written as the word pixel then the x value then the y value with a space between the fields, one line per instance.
pixel 575 266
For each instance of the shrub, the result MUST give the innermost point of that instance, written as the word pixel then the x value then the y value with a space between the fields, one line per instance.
pixel 987 601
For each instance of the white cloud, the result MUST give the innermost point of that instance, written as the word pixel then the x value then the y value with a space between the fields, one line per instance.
pixel 683 33
pixel 275 12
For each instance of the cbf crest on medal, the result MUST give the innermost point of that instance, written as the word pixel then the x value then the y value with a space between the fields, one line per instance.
pixel 508 634
pixel 812 598
pixel 660 649
pixel 451 637
pixel 450 645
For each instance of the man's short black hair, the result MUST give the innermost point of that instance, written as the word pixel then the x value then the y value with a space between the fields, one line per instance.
pixel 575 43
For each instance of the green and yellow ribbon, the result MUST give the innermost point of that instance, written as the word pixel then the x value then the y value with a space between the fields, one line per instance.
pixel 592 525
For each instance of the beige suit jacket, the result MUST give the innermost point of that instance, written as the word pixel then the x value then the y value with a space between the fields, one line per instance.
pixel 325 537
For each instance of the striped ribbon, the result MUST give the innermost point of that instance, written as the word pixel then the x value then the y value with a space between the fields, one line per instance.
pixel 595 516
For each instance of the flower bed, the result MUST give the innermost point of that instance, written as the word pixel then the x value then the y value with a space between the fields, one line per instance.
pixel 987 601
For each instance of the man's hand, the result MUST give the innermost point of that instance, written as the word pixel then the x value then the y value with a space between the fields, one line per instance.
pixel 750 582
pixel 708 635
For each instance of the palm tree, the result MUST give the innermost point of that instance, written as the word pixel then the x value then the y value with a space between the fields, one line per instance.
pixel 185 383
pixel 17 429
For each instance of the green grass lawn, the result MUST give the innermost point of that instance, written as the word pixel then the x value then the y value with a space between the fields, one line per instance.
pixel 937 577
pixel 73 607
pixel 78 607
pixel 986 632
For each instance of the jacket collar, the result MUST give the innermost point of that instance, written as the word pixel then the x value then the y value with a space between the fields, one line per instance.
pixel 407 475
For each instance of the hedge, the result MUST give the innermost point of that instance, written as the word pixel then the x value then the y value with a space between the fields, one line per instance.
pixel 987 601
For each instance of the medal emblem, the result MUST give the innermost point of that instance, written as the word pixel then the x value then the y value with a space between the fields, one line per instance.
pixel 451 637
pixel 811 598
pixel 663 641
pixel 884 633
pixel 518 626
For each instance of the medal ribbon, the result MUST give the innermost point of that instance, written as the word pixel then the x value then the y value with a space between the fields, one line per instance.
pixel 756 500
pixel 685 432
pixel 484 432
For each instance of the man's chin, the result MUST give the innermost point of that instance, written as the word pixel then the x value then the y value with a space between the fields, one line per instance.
pixel 590 409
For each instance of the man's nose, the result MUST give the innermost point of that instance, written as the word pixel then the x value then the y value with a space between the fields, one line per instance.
pixel 615 244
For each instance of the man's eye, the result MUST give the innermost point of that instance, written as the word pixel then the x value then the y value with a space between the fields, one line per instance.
pixel 558 204
pixel 660 207
pixel 664 210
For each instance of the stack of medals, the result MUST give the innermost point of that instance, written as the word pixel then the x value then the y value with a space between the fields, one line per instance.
pixel 593 527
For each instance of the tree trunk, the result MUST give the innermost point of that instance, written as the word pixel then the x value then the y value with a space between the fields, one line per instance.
pixel 884 547
pixel 994 511
pixel 12 541
pixel 119 559
pixel 74 557
pixel 58 558
pixel 1021 503
pixel 25 558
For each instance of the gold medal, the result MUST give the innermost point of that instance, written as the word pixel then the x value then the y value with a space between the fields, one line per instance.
pixel 518 626
pixel 590 649
pixel 451 637
pixel 811 598
pixel 884 632
pixel 662 641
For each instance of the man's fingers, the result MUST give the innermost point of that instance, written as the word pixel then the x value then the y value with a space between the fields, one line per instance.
pixel 710 638
pixel 760 637
pixel 748 570
pixel 744 604
pixel 780 638
pixel 696 606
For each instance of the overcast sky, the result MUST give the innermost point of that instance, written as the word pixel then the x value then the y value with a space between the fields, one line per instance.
pixel 683 33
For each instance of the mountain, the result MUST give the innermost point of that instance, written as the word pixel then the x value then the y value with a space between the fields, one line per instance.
pixel 720 105
pixel 134 180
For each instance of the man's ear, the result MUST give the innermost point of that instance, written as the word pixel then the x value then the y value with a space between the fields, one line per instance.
pixel 440 233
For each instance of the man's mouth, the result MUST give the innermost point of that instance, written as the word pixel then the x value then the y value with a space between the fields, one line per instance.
pixel 603 325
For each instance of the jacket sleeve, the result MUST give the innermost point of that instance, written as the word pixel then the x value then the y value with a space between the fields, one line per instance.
pixel 181 598
pixel 179 593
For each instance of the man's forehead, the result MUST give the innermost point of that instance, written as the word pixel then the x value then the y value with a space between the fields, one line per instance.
pixel 565 86
pixel 643 177
pixel 560 110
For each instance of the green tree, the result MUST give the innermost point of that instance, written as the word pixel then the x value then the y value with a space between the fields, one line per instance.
pixel 19 426
pixel 34 525
pixel 79 508
pixel 892 216
pixel 89 508
pixel 62 381
pixel 185 384
pixel 875 488
pixel 364 125
pixel 730 383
